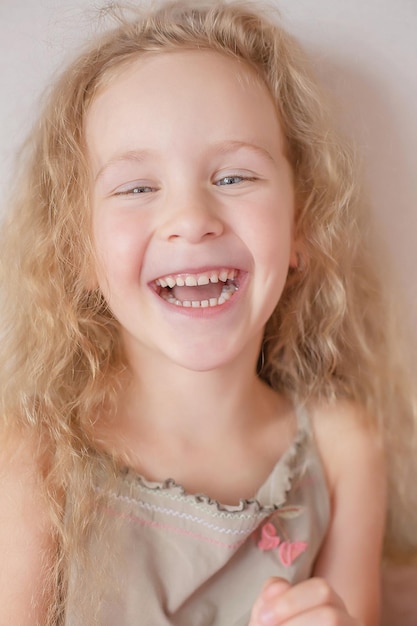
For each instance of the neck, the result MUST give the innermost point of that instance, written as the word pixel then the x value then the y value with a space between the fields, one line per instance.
pixel 175 402
pixel 172 422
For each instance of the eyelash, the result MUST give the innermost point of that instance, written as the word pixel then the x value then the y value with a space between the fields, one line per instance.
pixel 134 190
pixel 234 177
pixel 142 189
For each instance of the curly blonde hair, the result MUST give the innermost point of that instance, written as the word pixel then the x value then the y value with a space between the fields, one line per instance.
pixel 331 335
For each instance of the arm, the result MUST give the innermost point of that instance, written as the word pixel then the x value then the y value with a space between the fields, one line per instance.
pixel 345 588
pixel 350 557
pixel 25 536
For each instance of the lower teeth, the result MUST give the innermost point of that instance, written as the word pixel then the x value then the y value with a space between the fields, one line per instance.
pixel 227 292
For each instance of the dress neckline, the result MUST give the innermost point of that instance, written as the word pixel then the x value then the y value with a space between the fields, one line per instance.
pixel 271 494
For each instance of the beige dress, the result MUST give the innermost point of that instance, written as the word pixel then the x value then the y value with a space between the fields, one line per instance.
pixel 185 560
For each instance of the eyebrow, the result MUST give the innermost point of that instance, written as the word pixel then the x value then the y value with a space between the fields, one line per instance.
pixel 233 146
pixel 223 148
pixel 137 156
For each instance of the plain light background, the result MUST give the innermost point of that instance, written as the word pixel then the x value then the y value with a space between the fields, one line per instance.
pixel 364 51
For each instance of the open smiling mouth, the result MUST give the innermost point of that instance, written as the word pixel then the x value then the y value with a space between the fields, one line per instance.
pixel 201 290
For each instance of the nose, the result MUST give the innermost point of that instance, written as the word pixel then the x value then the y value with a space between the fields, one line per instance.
pixel 192 217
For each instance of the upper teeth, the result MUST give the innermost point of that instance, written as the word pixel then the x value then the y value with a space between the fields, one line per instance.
pixel 193 280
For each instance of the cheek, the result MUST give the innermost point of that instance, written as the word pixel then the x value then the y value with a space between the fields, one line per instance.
pixel 119 247
pixel 272 248
pixel 272 235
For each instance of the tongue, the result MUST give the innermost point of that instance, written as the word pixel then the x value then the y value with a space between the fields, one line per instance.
pixel 203 292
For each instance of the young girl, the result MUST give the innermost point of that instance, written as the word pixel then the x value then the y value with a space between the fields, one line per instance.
pixel 198 373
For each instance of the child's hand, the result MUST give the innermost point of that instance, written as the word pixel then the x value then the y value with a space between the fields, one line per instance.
pixel 310 603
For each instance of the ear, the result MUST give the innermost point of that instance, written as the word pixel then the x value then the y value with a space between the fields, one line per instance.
pixel 90 279
pixel 294 256
pixel 297 255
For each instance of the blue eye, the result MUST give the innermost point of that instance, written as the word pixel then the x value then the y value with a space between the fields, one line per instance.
pixel 140 190
pixel 230 180
pixel 133 191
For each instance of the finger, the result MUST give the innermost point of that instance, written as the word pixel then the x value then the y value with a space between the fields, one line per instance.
pixel 271 589
pixel 319 616
pixel 274 587
pixel 301 598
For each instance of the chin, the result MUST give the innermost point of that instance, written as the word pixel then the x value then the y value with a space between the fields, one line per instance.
pixel 211 358
pixel 203 364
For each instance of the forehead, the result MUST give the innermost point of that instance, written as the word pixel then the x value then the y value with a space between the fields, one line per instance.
pixel 177 56
pixel 195 94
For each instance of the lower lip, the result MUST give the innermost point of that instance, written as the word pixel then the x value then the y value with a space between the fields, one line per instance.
pixel 206 312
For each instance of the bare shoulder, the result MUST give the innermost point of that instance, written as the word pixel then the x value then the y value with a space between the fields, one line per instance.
pixel 347 439
pixel 25 532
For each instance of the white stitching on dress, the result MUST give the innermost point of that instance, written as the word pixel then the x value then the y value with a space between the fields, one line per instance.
pixel 187 516
pixel 197 505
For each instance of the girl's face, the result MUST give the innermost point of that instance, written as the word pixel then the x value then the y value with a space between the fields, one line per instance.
pixel 193 203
